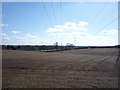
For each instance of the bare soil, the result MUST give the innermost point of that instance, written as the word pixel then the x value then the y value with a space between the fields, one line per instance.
pixel 83 68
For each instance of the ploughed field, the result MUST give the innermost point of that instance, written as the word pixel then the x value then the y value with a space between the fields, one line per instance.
pixel 82 68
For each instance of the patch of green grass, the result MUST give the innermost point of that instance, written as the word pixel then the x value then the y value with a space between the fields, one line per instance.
pixel 55 50
pixel 50 50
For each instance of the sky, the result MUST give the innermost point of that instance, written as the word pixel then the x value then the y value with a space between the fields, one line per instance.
pixel 44 23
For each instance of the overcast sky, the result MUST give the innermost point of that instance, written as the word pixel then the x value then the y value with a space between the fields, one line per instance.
pixel 44 23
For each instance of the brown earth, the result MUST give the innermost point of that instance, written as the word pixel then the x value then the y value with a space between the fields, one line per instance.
pixel 83 68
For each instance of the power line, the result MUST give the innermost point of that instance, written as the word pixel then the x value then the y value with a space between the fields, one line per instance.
pixel 54 12
pixel 106 14
pixel 106 18
pixel 110 23
pixel 110 11
pixel 46 13
pixel 104 9
pixel 98 14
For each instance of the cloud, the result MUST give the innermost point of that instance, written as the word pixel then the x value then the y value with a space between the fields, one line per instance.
pixel 26 39
pixel 83 23
pixel 54 30
pixel 69 32
pixel 27 36
pixel 3 25
pixel 80 34
pixel 84 38
pixel 112 31
pixel 69 26
pixel 30 35
pixel 94 40
pixel 18 37
pixel 16 32
pixel 2 34
pixel 58 34
pixel 68 35
pixel 5 38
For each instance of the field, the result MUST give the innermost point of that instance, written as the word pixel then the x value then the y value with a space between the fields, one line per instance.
pixel 82 68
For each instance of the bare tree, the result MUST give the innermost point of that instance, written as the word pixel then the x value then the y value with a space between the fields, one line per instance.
pixel 56 45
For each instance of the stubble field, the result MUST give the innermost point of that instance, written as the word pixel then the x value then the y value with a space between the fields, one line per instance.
pixel 83 68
